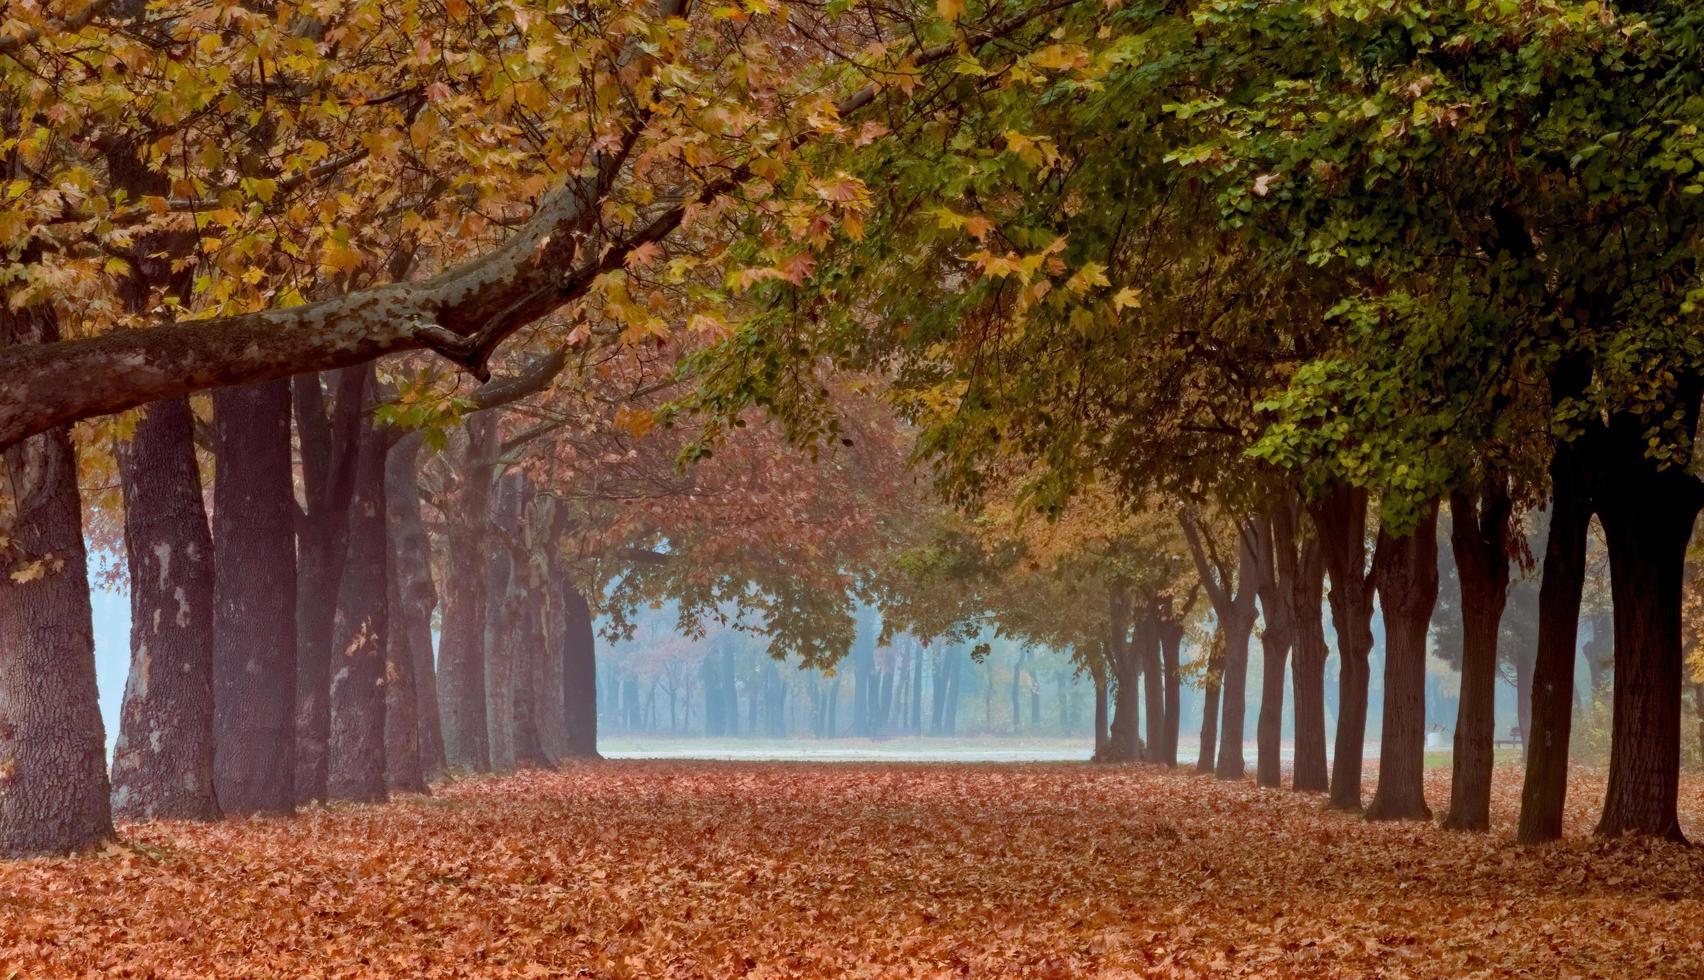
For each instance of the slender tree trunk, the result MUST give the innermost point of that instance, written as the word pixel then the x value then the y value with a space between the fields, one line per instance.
pixel 1647 516
pixel 53 779
pixel 1234 697
pixel 329 448
pixel 1171 652
pixel 1103 738
pixel 1210 703
pixel 1479 538
pixel 579 675
pixel 1340 517
pixel 411 614
pixel 1406 574
pixel 355 766
pixel 254 601
pixel 1275 563
pixel 461 667
pixel 162 767
pixel 1147 654
pixel 1307 670
pixel 1564 575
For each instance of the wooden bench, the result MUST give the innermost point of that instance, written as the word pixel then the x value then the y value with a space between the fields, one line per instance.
pixel 1514 738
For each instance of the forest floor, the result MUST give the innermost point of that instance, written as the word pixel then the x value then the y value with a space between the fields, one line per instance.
pixel 664 868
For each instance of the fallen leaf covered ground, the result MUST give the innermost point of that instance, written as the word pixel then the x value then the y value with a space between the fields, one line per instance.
pixel 721 869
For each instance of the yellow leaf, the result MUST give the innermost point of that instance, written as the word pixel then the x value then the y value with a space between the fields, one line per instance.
pixel 950 10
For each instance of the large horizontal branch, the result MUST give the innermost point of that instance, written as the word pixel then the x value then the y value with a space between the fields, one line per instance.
pixel 462 313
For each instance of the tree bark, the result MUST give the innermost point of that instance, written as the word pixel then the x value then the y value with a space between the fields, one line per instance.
pixel 1405 570
pixel 502 620
pixel 162 767
pixel 1210 703
pixel 356 768
pixel 53 779
pixel 1275 563
pixel 1340 518
pixel 1233 597
pixel 579 674
pixel 1125 742
pixel 1103 738
pixel 1564 574
pixel 1479 539
pixel 1171 653
pixel 329 449
pixel 411 616
pixel 461 653
pixel 1302 569
pixel 1647 515
pixel 254 601
pixel 1147 643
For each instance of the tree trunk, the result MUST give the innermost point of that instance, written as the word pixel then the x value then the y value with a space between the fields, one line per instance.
pixel 162 767
pixel 580 674
pixel 1406 575
pixel 355 765
pixel 1340 517
pixel 1124 740
pixel 1647 516
pixel 254 601
pixel 1307 670
pixel 329 448
pixel 1147 652
pixel 502 620
pixel 1171 651
pixel 1564 575
pixel 529 677
pixel 1210 703
pixel 1275 555
pixel 461 653
pixel 404 772
pixel 1103 738
pixel 1479 539
pixel 411 614
pixel 53 780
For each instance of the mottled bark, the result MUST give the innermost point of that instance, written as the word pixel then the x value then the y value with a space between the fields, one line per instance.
pixel 1564 575
pixel 162 766
pixel 1340 518
pixel 461 653
pixel 53 779
pixel 502 620
pixel 254 600
pixel 329 448
pixel 1405 573
pixel 411 614
pixel 356 768
pixel 1479 539
pixel 529 678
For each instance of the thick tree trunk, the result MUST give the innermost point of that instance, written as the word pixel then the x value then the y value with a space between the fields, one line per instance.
pixel 579 674
pixel 502 620
pixel 356 767
pixel 1340 518
pixel 329 448
pixel 254 601
pixel 1406 576
pixel 1307 670
pixel 53 778
pixel 529 679
pixel 1647 515
pixel 1479 539
pixel 1171 652
pixel 411 615
pixel 1564 574
pixel 162 767
pixel 1124 740
pixel 461 653
pixel 404 771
